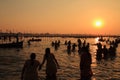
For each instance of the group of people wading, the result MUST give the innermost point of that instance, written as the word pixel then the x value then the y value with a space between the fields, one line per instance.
pixel 107 53
pixel 31 66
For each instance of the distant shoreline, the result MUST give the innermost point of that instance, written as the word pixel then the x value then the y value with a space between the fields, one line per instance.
pixel 56 35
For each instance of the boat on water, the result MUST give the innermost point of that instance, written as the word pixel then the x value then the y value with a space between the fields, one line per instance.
pixel 33 39
pixel 12 45
pixel 11 41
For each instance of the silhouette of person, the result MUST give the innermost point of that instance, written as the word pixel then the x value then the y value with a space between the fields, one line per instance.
pixel 105 52
pixel 99 54
pixel 99 45
pixel 69 47
pixel 51 65
pixel 79 44
pixel 112 52
pixel 29 71
pixel 85 64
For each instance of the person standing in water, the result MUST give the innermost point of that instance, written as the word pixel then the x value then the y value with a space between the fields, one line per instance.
pixel 51 65
pixel 85 64
pixel 29 71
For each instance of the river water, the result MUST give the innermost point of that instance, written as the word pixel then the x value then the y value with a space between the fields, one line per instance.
pixel 12 60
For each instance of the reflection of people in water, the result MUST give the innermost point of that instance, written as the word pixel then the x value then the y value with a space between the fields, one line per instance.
pixel 51 65
pixel 85 64
pixel 29 71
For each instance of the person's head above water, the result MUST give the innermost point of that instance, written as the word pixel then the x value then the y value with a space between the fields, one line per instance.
pixel 47 50
pixel 32 56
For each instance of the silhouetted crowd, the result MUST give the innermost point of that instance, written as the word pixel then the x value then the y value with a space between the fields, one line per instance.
pixel 31 65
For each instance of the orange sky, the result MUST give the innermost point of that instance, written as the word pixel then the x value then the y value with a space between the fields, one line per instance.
pixel 60 16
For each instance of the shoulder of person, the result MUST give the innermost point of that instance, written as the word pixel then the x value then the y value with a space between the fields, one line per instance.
pixel 37 62
pixel 27 61
pixel 52 54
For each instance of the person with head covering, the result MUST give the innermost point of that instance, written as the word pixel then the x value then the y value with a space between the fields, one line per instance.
pixel 30 68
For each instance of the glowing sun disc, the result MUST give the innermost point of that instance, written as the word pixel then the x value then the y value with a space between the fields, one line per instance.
pixel 98 23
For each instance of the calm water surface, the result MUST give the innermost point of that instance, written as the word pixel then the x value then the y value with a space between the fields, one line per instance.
pixel 12 60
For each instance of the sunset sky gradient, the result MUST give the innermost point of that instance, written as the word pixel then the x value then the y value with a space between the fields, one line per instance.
pixel 60 16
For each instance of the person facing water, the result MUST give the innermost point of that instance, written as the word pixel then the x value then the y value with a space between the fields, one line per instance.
pixel 85 64
pixel 105 52
pixel 51 65
pixel 29 71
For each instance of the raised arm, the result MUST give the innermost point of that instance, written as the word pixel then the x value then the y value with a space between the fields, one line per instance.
pixel 56 61
pixel 42 62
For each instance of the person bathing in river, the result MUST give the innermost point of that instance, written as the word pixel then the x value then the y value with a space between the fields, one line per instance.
pixel 51 65
pixel 30 69
pixel 85 64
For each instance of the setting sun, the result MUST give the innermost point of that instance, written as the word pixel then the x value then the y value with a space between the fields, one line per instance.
pixel 98 23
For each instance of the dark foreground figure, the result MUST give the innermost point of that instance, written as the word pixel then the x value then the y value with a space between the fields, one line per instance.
pixel 30 69
pixel 51 65
pixel 85 64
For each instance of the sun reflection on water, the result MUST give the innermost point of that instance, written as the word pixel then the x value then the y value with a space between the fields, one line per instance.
pixel 97 40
